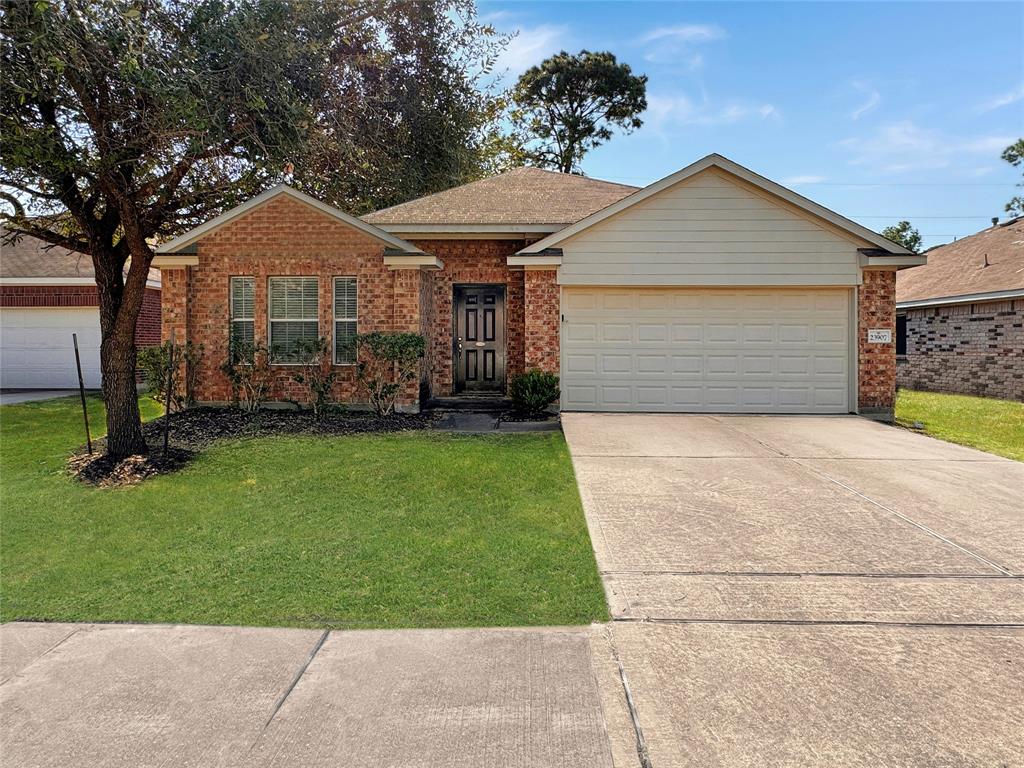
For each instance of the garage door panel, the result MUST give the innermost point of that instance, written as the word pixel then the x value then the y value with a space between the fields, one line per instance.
pixel 37 351
pixel 784 350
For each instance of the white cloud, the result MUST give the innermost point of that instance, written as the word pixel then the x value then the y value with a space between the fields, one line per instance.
pixel 904 146
pixel 793 181
pixel 532 45
pixel 872 98
pixel 1004 100
pixel 674 45
pixel 665 112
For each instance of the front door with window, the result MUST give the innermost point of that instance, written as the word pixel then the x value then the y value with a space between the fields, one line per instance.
pixel 479 342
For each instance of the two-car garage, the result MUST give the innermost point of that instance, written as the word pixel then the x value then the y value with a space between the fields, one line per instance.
pixel 753 350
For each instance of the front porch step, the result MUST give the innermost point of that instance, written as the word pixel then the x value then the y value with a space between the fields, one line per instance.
pixel 470 404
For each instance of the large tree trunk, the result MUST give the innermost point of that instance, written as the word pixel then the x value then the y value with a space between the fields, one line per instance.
pixel 124 425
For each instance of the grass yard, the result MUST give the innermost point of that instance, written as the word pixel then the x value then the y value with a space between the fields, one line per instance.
pixel 996 426
pixel 401 530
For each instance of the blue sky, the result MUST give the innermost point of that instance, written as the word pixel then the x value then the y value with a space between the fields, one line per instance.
pixel 880 111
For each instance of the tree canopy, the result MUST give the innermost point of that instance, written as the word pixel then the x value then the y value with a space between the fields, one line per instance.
pixel 904 234
pixel 570 104
pixel 1014 155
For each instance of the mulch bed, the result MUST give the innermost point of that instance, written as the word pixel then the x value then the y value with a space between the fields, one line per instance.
pixel 520 417
pixel 196 428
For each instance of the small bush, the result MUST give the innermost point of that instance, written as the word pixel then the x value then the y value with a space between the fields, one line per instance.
pixel 248 370
pixel 183 359
pixel 315 372
pixel 386 363
pixel 532 392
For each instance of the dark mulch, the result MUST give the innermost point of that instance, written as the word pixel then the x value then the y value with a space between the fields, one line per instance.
pixel 196 428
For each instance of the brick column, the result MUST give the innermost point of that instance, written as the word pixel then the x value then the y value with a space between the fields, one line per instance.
pixel 174 303
pixel 876 363
pixel 407 317
pixel 542 318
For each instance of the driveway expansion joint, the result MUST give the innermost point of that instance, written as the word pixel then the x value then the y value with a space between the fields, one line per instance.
pixel 295 681
pixel 823 623
pixel 642 753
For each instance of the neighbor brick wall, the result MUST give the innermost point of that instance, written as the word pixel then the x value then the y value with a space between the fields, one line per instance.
pixel 542 319
pixel 971 349
pixel 876 363
pixel 472 261
pixel 285 237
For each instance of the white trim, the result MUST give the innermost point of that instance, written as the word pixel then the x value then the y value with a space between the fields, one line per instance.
pixel 185 240
pixel 412 261
pixel 723 163
pixel 966 298
pixel 515 260
pixel 470 231
pixel 887 262
pixel 178 261
pixel 855 350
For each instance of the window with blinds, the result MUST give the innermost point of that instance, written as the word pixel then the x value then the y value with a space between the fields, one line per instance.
pixel 344 320
pixel 294 315
pixel 243 311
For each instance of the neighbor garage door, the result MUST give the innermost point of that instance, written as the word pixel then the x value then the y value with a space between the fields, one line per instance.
pixel 36 350
pixel 760 350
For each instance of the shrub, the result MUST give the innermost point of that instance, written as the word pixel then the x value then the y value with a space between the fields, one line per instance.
pixel 248 370
pixel 387 362
pixel 315 372
pixel 532 392
pixel 154 363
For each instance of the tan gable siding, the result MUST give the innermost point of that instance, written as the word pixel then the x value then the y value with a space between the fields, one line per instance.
pixel 711 229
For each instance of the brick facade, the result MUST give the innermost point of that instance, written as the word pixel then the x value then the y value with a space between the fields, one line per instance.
pixel 876 363
pixel 970 349
pixel 543 320
pixel 147 328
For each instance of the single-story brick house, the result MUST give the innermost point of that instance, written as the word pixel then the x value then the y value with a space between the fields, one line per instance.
pixel 47 294
pixel 960 318
pixel 713 289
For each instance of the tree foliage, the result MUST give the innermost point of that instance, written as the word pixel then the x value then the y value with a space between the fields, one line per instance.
pixel 570 103
pixel 904 234
pixel 129 121
pixel 1014 155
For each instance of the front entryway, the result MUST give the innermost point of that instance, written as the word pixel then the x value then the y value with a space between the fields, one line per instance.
pixel 479 343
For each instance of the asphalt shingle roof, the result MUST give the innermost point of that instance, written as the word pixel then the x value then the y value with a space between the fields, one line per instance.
pixel 520 196
pixel 31 257
pixel 958 269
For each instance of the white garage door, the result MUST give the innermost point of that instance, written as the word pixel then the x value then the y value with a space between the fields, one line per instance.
pixel 36 351
pixel 754 351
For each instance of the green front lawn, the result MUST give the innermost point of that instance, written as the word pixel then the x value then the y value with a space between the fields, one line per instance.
pixel 996 426
pixel 401 530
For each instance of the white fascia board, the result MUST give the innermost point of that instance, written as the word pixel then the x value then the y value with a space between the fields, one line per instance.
pixel 47 281
pixel 544 260
pixel 190 237
pixel 967 298
pixel 412 261
pixel 727 165
pixel 463 231
pixel 897 261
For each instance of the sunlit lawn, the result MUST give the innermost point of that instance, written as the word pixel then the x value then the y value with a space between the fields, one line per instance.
pixel 996 426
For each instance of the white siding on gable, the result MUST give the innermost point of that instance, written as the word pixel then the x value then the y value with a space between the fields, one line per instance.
pixel 710 230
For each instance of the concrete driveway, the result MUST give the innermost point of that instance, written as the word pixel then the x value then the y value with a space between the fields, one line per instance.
pixel 807 590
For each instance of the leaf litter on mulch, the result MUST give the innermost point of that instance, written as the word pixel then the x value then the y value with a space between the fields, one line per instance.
pixel 194 429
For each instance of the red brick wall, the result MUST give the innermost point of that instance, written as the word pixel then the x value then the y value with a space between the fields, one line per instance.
pixel 472 261
pixel 542 319
pixel 147 328
pixel 876 362
pixel 281 238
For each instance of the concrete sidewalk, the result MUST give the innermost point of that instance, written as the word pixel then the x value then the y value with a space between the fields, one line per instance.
pixel 131 695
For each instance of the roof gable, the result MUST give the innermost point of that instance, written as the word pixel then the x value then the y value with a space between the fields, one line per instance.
pixel 183 242
pixel 769 188
pixel 522 197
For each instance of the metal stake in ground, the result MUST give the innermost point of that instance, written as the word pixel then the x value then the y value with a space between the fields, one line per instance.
pixel 170 384
pixel 81 391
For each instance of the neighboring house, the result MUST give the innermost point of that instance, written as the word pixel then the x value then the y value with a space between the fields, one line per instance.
pixel 713 289
pixel 960 318
pixel 47 294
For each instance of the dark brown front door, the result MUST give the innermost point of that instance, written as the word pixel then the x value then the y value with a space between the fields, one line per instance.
pixel 479 338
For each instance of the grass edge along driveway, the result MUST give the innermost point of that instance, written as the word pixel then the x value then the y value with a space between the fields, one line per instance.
pixel 402 530
pixel 995 426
